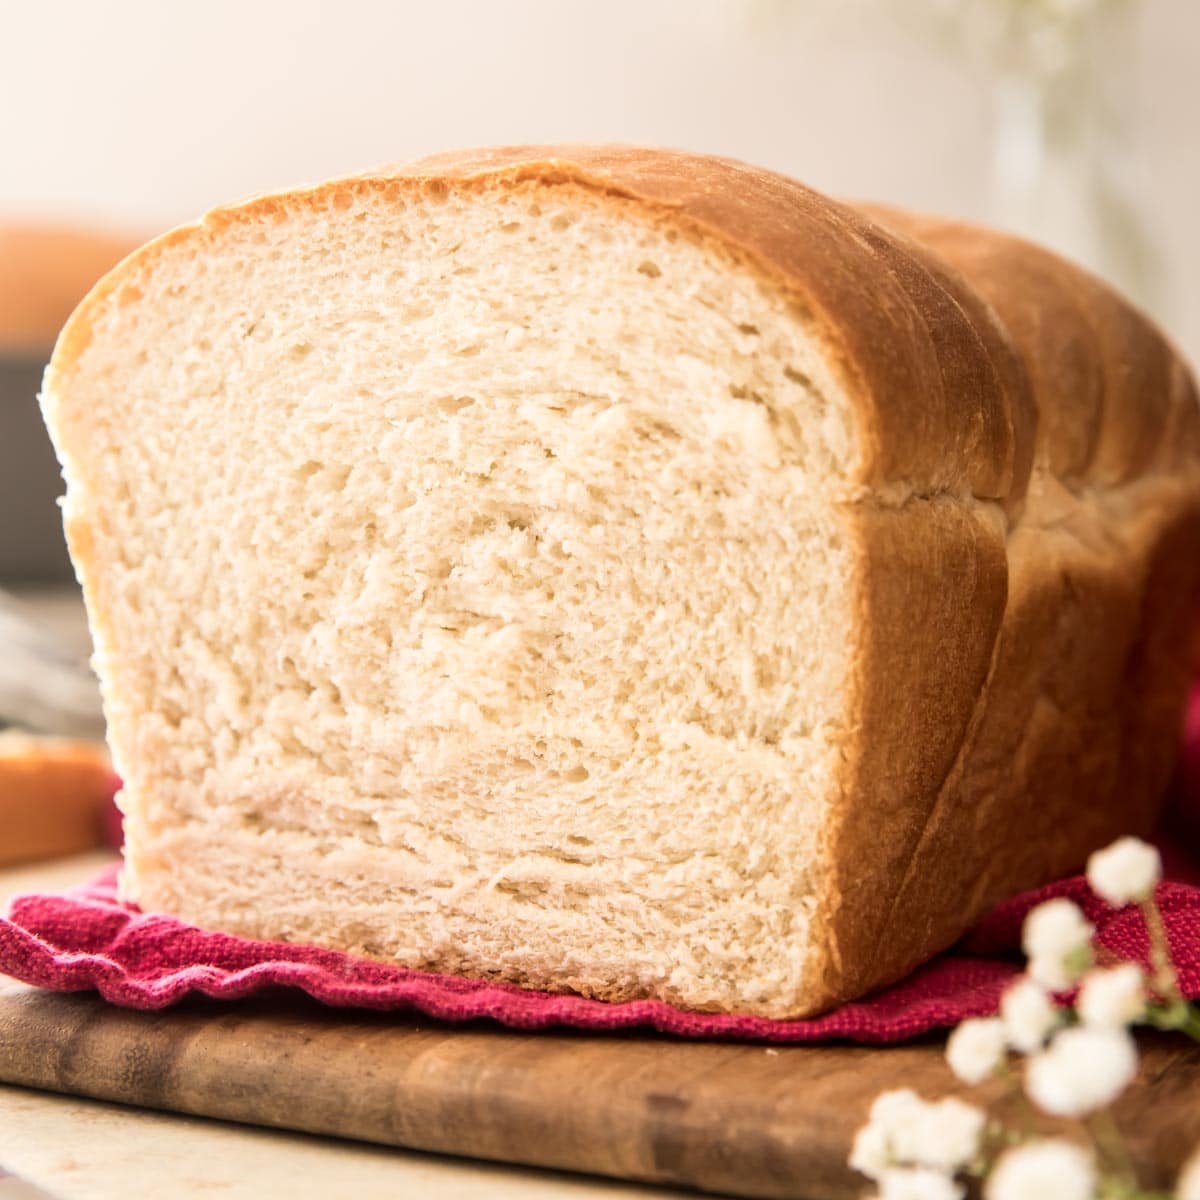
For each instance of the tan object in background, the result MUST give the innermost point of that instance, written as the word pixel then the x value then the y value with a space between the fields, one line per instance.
pixel 54 794
pixel 45 270
pixel 624 571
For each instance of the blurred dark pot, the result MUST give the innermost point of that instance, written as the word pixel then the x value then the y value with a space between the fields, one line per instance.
pixel 31 538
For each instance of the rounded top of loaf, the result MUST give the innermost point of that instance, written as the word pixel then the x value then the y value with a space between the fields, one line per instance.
pixel 936 330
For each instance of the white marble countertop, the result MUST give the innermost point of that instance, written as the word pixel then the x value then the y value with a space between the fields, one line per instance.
pixel 74 1149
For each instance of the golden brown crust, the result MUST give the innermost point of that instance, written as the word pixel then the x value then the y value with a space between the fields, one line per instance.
pixel 1109 388
pixel 1027 529
pixel 1069 739
pixel 937 414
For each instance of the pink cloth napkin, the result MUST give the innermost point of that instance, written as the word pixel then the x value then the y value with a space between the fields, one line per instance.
pixel 87 940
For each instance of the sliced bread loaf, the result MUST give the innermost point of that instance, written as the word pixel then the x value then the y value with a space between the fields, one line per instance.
pixel 623 571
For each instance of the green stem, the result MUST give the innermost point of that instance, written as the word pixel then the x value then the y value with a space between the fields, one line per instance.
pixel 1113 1151
pixel 1165 981
pixel 1026 1114
pixel 1169 1017
pixel 1191 1023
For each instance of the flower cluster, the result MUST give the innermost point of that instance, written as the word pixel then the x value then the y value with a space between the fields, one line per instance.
pixel 913 1147
pixel 1077 1060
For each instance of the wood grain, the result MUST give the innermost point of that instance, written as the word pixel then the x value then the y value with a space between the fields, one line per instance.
pixel 725 1117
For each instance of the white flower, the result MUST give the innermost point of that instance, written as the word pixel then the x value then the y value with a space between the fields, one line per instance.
pixel 896 1110
pixel 1082 1070
pixel 1028 1014
pixel 904 1129
pixel 1113 998
pixel 918 1183
pixel 897 1116
pixel 1050 1169
pixel 1187 1187
pixel 975 1049
pixel 950 1133
pixel 1125 872
pixel 903 1118
pixel 1057 939
pixel 871 1154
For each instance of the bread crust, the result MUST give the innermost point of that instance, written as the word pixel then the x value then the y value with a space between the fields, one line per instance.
pixel 1029 484
pixel 1071 738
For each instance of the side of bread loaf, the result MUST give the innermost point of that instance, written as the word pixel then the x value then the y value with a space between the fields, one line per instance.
pixel 622 570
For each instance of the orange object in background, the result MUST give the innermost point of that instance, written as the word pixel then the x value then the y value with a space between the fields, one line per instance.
pixel 55 796
pixel 45 270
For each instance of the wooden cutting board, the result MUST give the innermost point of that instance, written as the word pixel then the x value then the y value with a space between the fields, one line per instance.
pixel 740 1120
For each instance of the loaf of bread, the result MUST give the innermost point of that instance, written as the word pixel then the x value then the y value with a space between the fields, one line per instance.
pixel 623 571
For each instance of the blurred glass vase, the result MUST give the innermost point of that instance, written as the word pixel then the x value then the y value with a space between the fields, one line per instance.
pixel 1065 164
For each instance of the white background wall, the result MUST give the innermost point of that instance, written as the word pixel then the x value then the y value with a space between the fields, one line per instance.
pixel 144 112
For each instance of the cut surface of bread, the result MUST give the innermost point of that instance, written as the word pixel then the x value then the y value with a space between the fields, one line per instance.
pixel 612 570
